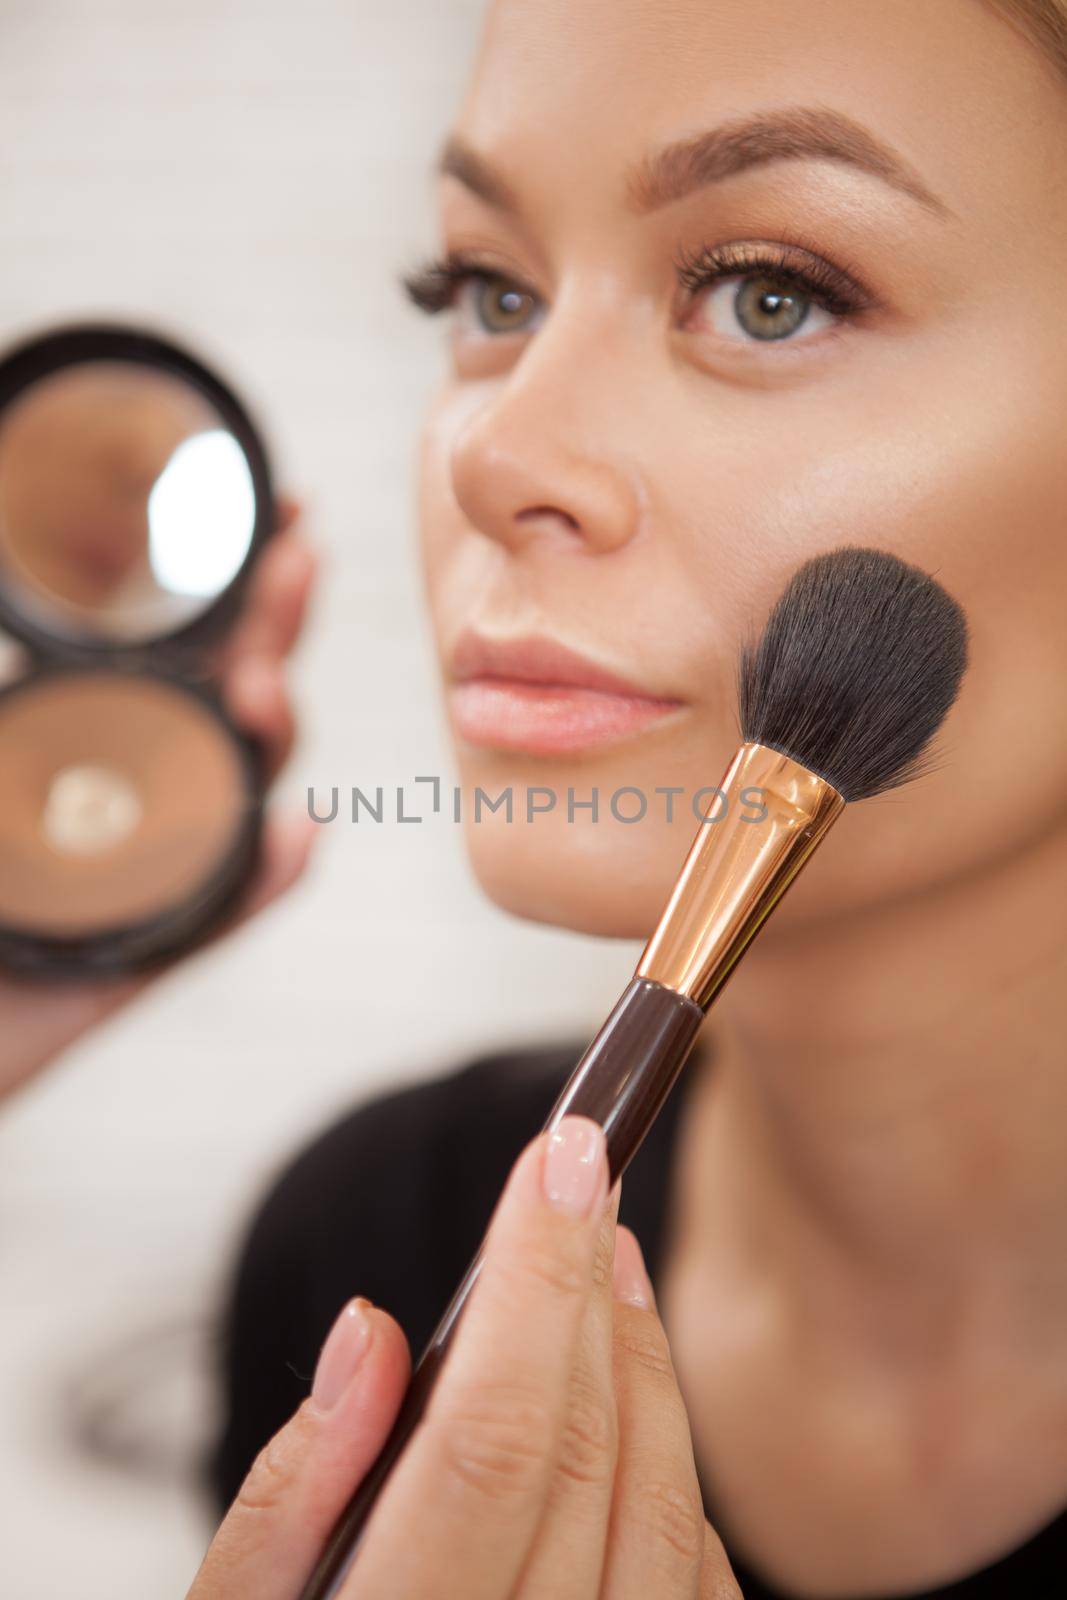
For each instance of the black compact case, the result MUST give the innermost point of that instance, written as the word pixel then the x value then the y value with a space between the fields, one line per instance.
pixel 135 499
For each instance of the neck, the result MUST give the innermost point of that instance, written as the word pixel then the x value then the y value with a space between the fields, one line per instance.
pixel 890 1095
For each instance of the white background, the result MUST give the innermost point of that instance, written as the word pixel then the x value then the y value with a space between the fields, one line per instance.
pixel 252 175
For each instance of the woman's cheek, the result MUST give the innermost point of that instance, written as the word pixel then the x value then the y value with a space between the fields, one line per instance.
pixel 436 506
pixel 981 507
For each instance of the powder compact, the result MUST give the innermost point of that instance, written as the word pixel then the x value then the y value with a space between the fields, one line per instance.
pixel 135 498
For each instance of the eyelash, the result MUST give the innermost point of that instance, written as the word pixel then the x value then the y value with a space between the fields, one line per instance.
pixel 433 287
pixel 835 291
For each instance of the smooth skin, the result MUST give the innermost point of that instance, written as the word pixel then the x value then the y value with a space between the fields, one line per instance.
pixel 554 1462
pixel 866 1292
pixel 866 1287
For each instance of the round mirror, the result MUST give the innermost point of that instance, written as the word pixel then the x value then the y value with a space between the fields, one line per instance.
pixel 127 503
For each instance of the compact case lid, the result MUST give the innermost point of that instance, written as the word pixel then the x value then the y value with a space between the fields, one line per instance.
pixel 135 496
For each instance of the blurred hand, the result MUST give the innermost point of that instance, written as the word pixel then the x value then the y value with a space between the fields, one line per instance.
pixel 554 1461
pixel 38 1019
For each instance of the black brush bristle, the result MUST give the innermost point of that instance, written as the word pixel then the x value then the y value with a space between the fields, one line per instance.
pixel 861 658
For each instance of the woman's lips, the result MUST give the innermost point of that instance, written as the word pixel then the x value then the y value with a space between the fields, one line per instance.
pixel 537 696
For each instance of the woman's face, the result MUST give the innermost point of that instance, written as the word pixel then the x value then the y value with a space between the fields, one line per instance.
pixel 737 286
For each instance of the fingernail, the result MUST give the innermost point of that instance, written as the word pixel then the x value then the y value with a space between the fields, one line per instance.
pixel 345 1347
pixel 631 1281
pixel 575 1173
pixel 294 560
pixel 258 679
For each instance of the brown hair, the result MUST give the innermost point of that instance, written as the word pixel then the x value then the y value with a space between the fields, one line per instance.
pixel 1044 22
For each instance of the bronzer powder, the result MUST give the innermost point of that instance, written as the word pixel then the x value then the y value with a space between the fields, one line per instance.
pixel 135 493
pixel 155 795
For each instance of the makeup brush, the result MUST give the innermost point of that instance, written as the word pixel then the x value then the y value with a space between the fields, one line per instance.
pixel 856 669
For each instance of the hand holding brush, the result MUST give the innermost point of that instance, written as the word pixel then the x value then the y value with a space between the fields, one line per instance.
pixel 859 663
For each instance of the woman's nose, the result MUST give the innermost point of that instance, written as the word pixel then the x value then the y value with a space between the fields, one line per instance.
pixel 522 471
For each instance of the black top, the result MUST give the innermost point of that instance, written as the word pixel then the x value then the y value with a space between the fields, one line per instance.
pixel 391 1203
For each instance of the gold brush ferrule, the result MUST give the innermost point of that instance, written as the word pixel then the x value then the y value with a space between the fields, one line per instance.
pixel 738 870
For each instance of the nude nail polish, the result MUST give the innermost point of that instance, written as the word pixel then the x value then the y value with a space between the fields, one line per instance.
pixel 346 1345
pixel 575 1174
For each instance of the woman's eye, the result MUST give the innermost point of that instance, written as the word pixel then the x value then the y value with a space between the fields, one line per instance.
pixel 759 306
pixel 496 305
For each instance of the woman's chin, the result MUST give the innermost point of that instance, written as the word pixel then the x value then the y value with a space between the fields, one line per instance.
pixel 612 880
pixel 588 878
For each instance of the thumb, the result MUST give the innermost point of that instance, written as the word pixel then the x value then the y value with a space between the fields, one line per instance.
pixel 274 1532
pixel 717 1581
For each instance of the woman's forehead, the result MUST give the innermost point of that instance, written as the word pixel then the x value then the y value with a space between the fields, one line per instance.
pixel 562 87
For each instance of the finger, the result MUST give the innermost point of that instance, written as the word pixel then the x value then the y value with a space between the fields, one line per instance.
pixel 287 841
pixel 476 1476
pixel 286 846
pixel 656 1537
pixel 254 691
pixel 568 1553
pixel 287 510
pixel 717 1581
pixel 272 1535
pixel 277 601
pixel 284 852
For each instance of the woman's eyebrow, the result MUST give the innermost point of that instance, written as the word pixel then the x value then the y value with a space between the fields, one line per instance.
pixel 458 160
pixel 814 132
pixel 679 169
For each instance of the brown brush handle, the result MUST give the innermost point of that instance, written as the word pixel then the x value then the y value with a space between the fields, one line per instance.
pixel 621 1082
